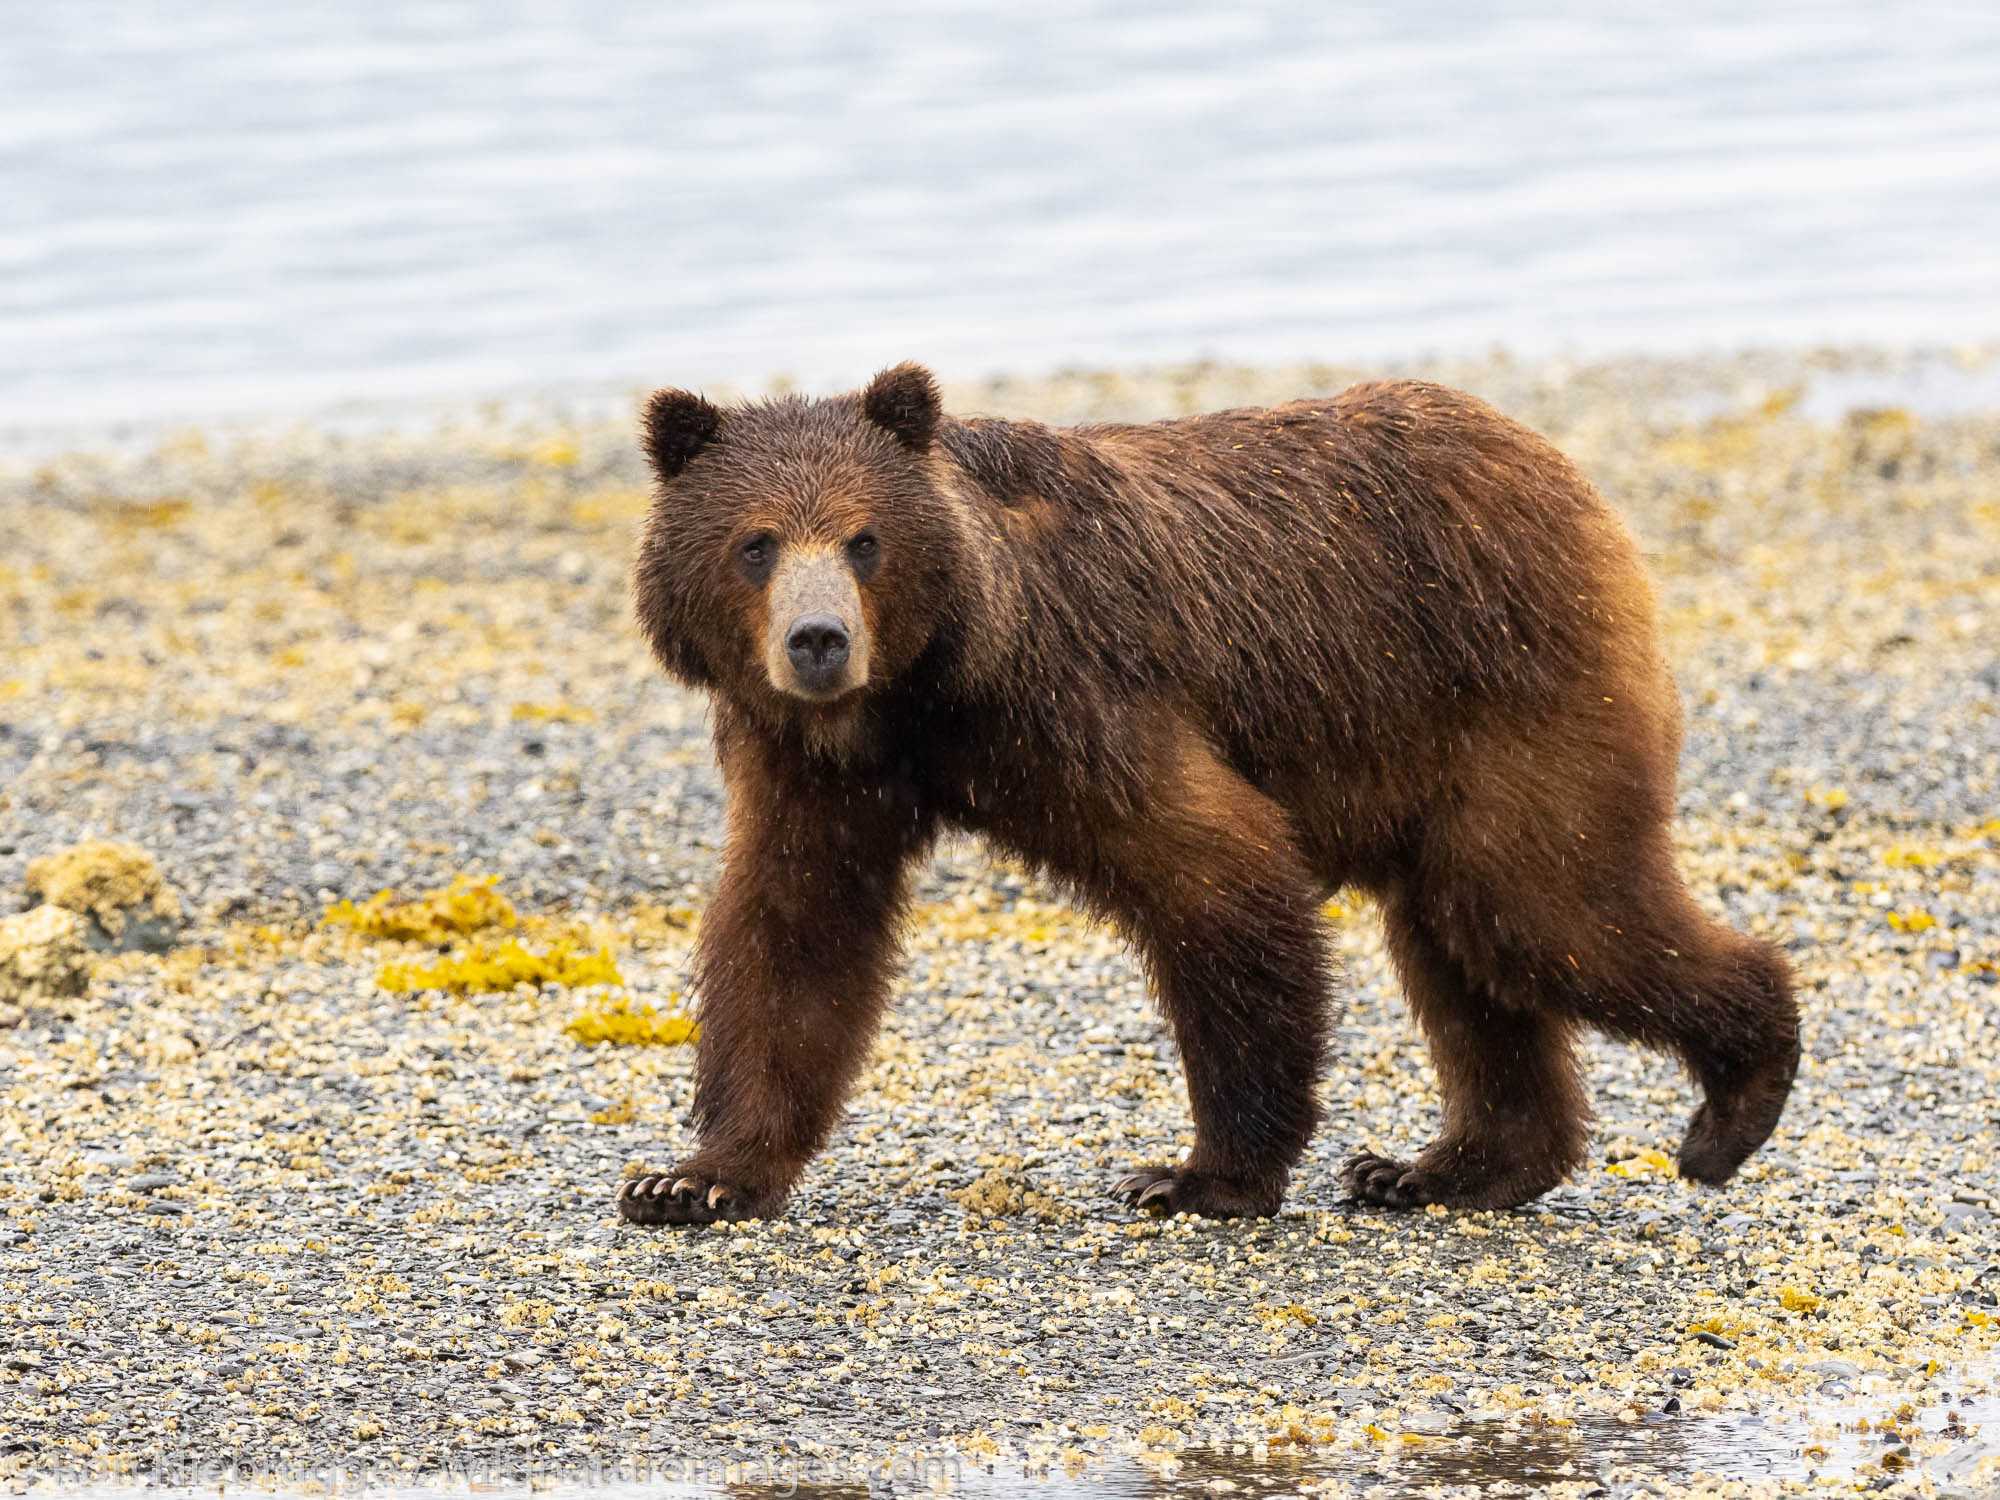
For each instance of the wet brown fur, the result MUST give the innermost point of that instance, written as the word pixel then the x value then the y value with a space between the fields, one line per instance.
pixel 1205 673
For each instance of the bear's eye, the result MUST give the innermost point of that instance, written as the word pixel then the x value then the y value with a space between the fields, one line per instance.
pixel 756 555
pixel 862 552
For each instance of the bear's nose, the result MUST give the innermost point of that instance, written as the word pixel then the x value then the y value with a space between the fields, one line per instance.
pixel 817 644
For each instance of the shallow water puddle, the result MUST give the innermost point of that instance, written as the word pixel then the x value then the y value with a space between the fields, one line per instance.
pixel 1931 386
pixel 1853 1437
pixel 1848 1437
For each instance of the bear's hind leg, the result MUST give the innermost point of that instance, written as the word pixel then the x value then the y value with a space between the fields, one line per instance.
pixel 1515 1117
pixel 1662 973
pixel 1617 946
pixel 1630 954
pixel 1739 1035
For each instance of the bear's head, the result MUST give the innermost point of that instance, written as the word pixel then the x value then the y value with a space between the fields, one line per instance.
pixel 799 554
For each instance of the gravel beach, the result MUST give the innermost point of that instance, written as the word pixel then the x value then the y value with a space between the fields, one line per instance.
pixel 262 1210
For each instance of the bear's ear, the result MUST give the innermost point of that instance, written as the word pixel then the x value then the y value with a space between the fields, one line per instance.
pixel 904 401
pixel 674 427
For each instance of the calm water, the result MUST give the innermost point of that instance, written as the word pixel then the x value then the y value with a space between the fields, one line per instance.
pixel 222 206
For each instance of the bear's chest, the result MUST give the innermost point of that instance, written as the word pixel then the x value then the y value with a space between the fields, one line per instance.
pixel 1024 784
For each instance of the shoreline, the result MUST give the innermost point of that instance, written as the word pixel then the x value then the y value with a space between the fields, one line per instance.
pixel 252 1194
pixel 1935 379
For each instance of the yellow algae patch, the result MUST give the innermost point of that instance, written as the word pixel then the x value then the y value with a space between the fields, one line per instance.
pixel 529 1312
pixel 556 453
pixel 615 1019
pixel 496 969
pixel 565 953
pixel 555 713
pixel 981 917
pixel 1276 1318
pixel 102 880
pixel 609 506
pixel 1651 1162
pixel 157 515
pixel 651 924
pixel 466 906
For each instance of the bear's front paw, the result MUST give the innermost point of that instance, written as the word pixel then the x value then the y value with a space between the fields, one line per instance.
pixel 1177 1190
pixel 689 1196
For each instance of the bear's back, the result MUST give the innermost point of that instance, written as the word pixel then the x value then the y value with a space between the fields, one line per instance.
pixel 1372 555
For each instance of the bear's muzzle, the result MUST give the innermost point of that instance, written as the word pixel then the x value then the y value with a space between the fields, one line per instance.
pixel 816 641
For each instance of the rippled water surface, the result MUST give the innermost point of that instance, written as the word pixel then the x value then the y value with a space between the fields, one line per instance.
pixel 220 206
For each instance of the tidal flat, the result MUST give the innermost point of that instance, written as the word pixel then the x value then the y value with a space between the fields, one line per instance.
pixel 283 1203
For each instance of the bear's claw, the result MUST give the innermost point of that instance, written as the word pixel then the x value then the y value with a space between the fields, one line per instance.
pixel 1148 1188
pixel 1384 1181
pixel 682 1198
pixel 1176 1190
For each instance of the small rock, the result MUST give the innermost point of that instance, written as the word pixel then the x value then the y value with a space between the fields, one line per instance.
pixel 118 887
pixel 43 956
pixel 1959 1217
pixel 146 1182
pixel 1964 1461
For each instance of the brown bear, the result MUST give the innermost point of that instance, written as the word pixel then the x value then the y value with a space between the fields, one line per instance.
pixel 1203 673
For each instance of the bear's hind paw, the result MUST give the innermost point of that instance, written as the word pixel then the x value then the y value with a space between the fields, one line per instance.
pixel 1384 1182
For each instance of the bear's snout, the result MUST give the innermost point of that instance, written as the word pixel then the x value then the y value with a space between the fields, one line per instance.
pixel 817 642
pixel 817 648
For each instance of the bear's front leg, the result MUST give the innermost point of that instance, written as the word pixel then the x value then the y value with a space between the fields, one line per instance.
pixel 1209 884
pixel 792 967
